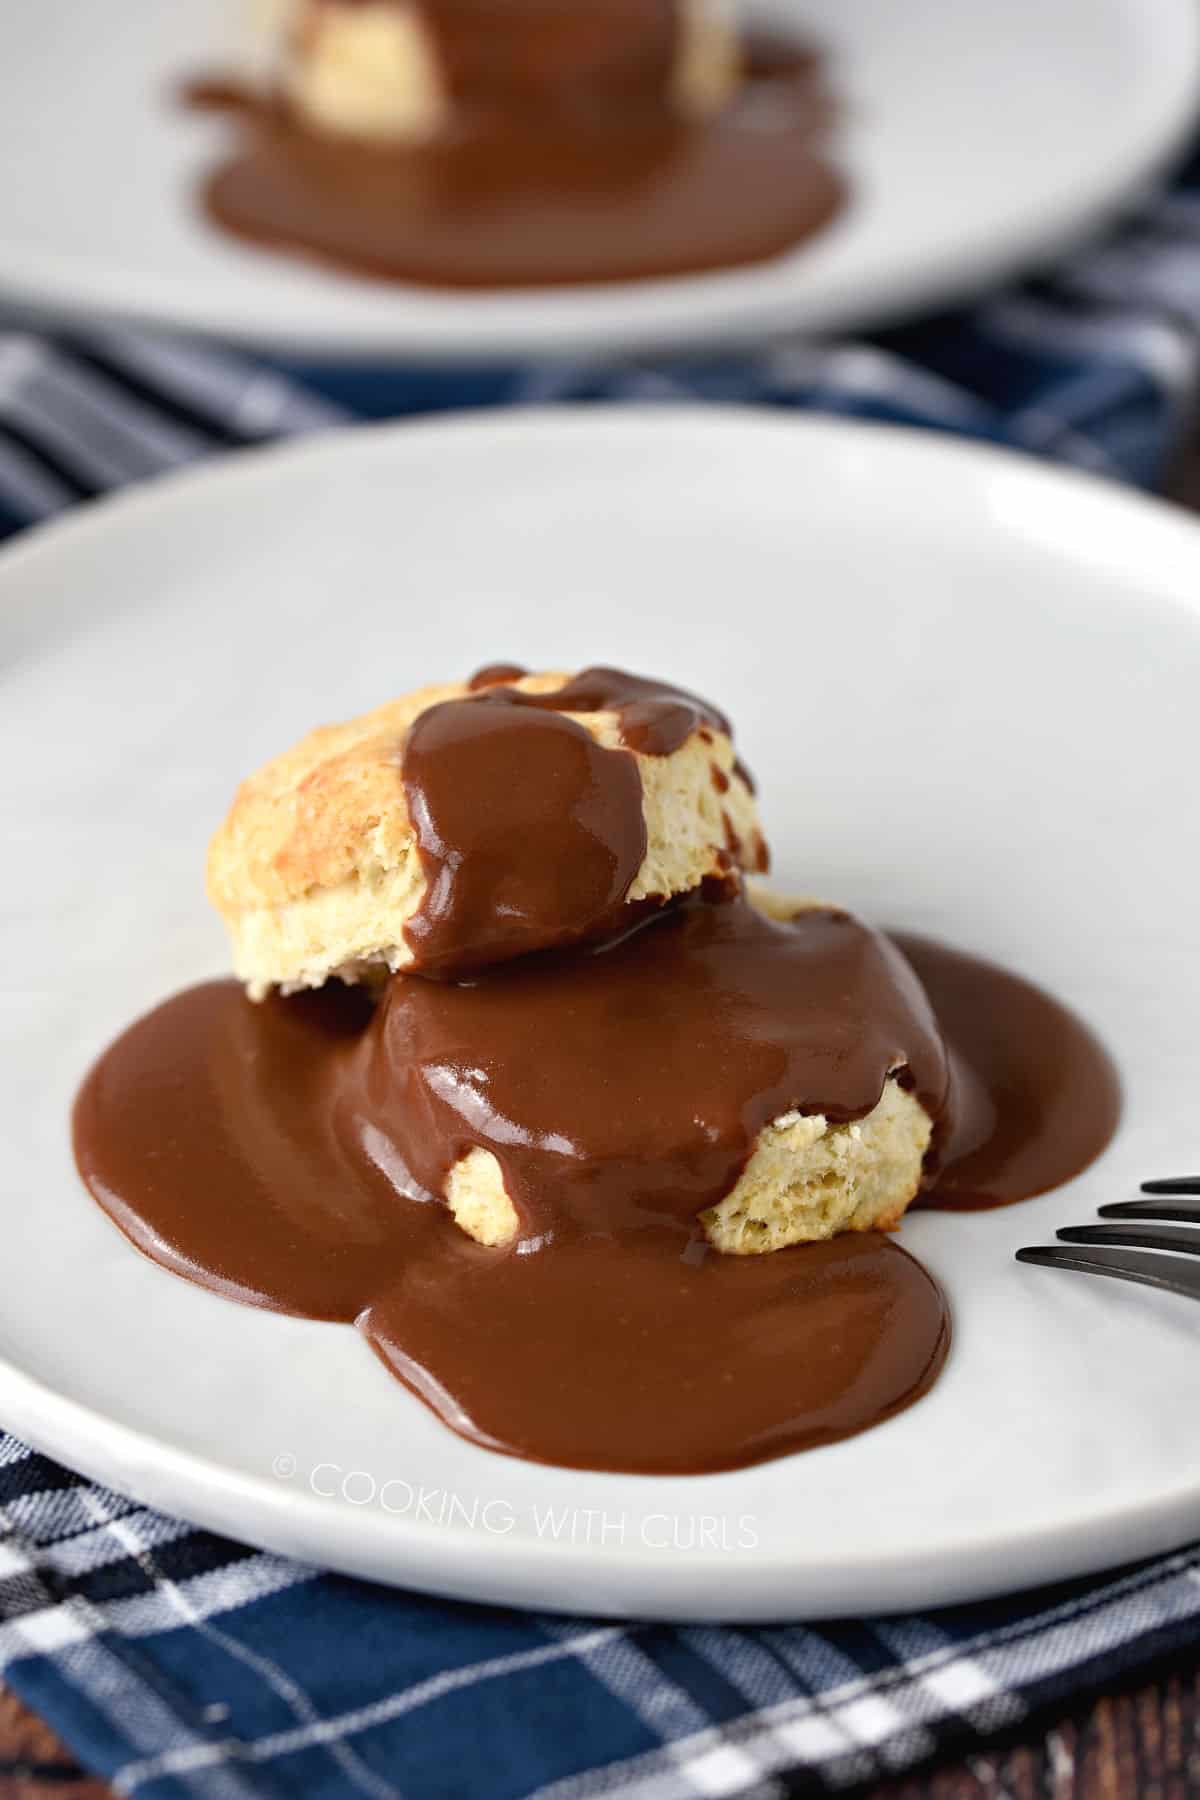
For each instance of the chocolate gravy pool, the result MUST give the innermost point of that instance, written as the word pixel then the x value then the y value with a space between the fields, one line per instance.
pixel 283 1153
pixel 522 193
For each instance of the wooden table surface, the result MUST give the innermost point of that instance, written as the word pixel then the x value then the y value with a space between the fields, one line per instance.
pixel 1143 1740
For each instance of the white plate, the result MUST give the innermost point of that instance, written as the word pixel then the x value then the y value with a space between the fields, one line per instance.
pixel 968 686
pixel 979 138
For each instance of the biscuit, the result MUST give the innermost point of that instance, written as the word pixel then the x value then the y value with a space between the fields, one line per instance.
pixel 368 71
pixel 316 868
pixel 806 1179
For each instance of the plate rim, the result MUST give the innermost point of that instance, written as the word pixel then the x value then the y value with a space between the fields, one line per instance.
pixel 675 320
pixel 472 1566
pixel 251 463
pixel 465 1565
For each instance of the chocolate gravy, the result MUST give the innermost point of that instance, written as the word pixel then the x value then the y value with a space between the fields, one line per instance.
pixel 1034 1096
pixel 600 1354
pixel 530 833
pixel 284 1154
pixel 578 57
pixel 654 718
pixel 543 179
pixel 495 675
pixel 625 1087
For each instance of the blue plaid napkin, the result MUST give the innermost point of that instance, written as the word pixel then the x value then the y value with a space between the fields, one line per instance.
pixel 177 1663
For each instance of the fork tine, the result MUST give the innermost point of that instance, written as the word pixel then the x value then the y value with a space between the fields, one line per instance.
pixel 1166 1272
pixel 1178 1184
pixel 1186 1211
pixel 1135 1237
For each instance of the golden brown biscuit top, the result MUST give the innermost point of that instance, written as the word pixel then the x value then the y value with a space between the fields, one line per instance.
pixel 311 817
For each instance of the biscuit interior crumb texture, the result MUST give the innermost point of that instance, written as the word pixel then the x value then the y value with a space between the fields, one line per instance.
pixel 316 870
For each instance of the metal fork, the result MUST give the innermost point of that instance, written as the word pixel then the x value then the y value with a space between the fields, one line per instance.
pixel 1082 1245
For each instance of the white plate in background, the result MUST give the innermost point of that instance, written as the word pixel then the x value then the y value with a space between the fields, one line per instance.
pixel 979 138
pixel 968 687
